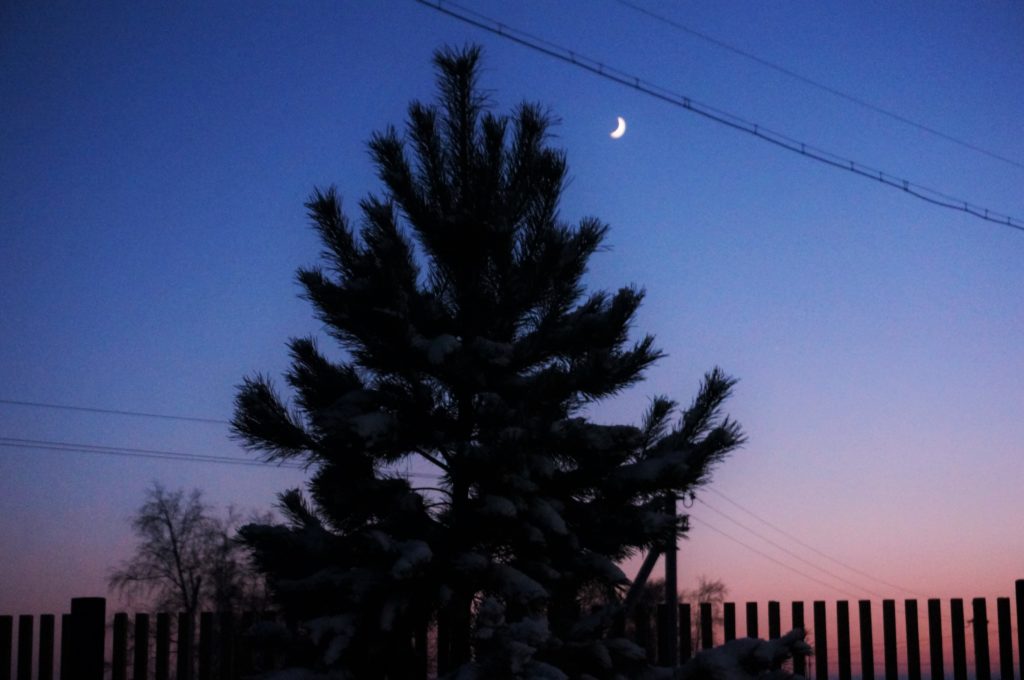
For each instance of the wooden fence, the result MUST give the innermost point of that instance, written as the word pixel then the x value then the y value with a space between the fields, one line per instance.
pixel 225 651
pixel 137 649
pixel 830 634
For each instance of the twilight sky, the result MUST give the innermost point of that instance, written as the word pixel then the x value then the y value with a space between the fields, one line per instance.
pixel 154 158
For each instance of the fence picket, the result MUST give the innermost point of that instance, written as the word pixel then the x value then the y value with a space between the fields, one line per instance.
pixel 249 654
pixel 1005 639
pixel 729 620
pixel 140 667
pixel 65 646
pixel 206 646
pixel 119 660
pixel 6 640
pixel 799 664
pixel 820 642
pixel 706 634
pixel 774 620
pixel 444 642
pixel 956 623
pixel 889 639
pixel 935 638
pixel 25 647
pixel 162 671
pixel 913 641
pixel 982 667
pixel 420 640
pixel 843 634
pixel 685 632
pixel 184 651
pixel 867 642
pixel 88 634
pixel 227 635
pixel 46 622
pixel 664 631
pixel 752 619
pixel 641 631
pixel 1019 596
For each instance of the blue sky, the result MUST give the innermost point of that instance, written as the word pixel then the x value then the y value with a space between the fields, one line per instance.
pixel 154 160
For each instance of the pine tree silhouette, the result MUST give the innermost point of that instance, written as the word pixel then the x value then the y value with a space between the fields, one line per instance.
pixel 471 348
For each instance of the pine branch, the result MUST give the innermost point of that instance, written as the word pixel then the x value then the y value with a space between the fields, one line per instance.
pixel 324 209
pixel 262 422
pixel 703 412
pixel 442 465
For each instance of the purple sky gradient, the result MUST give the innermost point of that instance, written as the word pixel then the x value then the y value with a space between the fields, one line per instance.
pixel 154 160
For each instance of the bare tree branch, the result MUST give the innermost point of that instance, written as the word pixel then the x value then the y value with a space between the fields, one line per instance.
pixel 186 558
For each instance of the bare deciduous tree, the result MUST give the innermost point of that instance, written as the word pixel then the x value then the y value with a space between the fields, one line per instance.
pixel 186 558
pixel 708 590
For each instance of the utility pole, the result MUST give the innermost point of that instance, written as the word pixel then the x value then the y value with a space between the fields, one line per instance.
pixel 670 637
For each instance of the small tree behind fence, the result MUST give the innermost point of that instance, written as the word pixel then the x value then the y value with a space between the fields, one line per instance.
pixel 226 646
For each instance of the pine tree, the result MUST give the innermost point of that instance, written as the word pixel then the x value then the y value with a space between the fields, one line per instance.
pixel 471 349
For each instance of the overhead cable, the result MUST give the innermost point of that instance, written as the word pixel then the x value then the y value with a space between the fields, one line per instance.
pixel 135 452
pixel 770 558
pixel 550 49
pixel 810 547
pixel 813 83
pixel 91 409
pixel 132 452
pixel 789 552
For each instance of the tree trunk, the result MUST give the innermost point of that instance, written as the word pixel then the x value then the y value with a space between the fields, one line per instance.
pixel 459 614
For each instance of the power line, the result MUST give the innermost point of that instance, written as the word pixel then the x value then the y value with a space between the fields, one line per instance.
pixel 14 442
pixel 90 409
pixel 770 558
pixel 132 452
pixel 719 116
pixel 810 547
pixel 789 552
pixel 821 86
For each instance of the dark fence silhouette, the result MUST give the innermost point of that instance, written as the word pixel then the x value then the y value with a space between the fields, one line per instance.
pixel 225 645
pixel 904 652
pixel 143 647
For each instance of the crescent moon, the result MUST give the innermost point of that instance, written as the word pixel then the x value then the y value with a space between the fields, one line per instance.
pixel 619 131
